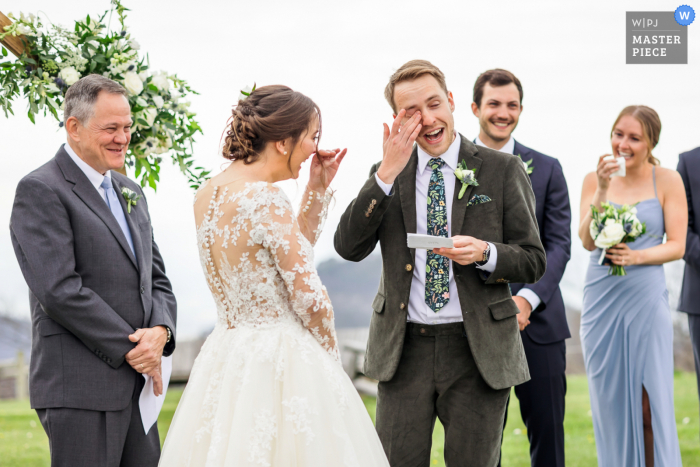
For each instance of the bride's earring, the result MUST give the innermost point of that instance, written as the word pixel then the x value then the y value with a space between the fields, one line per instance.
pixel 285 153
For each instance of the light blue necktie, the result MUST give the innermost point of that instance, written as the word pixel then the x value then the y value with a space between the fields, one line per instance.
pixel 117 211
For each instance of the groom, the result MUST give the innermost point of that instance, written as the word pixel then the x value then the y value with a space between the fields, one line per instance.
pixel 444 339
pixel 103 311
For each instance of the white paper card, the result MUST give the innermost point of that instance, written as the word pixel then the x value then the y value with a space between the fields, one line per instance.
pixel 149 404
pixel 622 171
pixel 428 242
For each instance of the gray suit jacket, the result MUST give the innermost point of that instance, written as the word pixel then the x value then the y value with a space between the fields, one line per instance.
pixel 508 221
pixel 87 292
pixel 689 168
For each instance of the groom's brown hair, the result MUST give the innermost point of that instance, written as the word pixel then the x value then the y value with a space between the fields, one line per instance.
pixel 410 71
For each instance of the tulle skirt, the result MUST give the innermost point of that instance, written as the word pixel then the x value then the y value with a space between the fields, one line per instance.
pixel 269 395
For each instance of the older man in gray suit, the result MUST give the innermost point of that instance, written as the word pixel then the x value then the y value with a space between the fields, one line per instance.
pixel 103 311
pixel 444 339
pixel 689 168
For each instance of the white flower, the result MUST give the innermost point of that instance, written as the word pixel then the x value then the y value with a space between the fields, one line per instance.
pixel 241 96
pixel 158 101
pixel 144 75
pixel 134 45
pixel 24 30
pixel 161 81
pixel 636 228
pixel 611 235
pixel 69 75
pixel 133 83
pixel 150 115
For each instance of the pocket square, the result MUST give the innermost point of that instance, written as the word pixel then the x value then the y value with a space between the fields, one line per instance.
pixel 478 199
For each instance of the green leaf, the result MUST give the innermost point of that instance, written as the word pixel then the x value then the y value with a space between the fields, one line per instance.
pixel 4 52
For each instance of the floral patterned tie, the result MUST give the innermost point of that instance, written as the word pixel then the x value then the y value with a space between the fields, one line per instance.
pixel 437 272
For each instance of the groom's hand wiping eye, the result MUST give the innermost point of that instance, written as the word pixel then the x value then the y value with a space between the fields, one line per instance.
pixel 398 145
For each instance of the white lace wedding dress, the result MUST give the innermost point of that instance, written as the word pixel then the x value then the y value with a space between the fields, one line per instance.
pixel 267 388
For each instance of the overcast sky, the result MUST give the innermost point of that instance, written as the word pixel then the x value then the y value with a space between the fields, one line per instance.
pixel 569 56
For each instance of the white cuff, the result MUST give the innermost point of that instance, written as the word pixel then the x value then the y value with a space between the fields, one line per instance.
pixel 531 297
pixel 385 187
pixel 490 265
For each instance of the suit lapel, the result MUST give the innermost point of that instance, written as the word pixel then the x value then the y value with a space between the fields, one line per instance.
pixel 522 151
pixel 92 199
pixel 407 194
pixel 467 152
pixel 135 231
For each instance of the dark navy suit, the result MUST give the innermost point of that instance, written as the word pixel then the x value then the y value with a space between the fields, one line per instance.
pixel 542 398
pixel 689 168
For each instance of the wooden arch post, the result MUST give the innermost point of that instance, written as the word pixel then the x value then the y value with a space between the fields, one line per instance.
pixel 14 44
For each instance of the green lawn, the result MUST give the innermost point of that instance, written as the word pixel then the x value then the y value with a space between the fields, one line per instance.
pixel 24 444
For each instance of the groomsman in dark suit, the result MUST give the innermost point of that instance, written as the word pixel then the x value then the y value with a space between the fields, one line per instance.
pixel 689 168
pixel 498 97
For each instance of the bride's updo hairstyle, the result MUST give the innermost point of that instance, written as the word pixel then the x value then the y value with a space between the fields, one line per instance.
pixel 651 126
pixel 269 114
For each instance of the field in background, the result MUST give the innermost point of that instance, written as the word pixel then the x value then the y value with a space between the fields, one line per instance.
pixel 24 444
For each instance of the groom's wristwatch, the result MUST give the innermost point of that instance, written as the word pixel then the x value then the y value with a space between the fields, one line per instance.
pixel 487 255
pixel 170 334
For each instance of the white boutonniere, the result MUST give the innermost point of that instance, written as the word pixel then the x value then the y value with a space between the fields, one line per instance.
pixel 130 197
pixel 529 168
pixel 466 176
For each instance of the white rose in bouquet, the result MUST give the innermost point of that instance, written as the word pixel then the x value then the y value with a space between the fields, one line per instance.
pixel 611 235
pixel 69 75
pixel 133 83
pixel 161 81
pixel 150 115
pixel 158 101
pixel 637 228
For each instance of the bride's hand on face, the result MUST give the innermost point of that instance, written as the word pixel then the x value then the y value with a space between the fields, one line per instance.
pixel 604 170
pixel 323 171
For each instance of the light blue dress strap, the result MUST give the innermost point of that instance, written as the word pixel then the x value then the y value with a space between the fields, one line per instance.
pixel 653 175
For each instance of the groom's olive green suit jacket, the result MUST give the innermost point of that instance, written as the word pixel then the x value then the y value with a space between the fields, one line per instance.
pixel 508 221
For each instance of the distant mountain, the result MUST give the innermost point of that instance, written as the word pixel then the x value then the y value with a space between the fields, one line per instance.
pixel 352 287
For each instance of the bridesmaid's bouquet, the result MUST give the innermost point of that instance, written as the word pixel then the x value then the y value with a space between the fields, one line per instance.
pixel 611 226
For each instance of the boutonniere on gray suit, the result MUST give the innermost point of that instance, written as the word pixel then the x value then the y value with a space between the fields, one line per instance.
pixel 130 197
pixel 466 176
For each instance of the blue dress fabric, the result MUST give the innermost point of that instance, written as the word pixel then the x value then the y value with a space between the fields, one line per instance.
pixel 627 340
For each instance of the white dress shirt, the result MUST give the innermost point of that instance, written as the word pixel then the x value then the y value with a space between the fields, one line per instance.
pixel 93 175
pixel 418 310
pixel 526 293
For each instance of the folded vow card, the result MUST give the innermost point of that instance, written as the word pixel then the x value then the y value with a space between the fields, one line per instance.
pixel 149 404
pixel 428 242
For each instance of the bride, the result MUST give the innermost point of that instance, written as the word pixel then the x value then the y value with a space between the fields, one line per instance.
pixel 267 388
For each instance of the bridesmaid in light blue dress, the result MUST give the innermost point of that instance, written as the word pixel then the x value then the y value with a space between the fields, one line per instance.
pixel 626 328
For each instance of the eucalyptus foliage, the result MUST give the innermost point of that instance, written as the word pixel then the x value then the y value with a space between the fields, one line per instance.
pixel 55 58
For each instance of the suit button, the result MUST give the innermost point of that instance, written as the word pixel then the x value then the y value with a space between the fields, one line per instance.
pixel 402 306
pixel 409 268
pixel 422 330
pixel 374 202
pixel 367 214
pixel 143 290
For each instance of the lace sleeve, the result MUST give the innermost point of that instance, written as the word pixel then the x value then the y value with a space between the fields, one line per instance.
pixel 312 214
pixel 293 256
